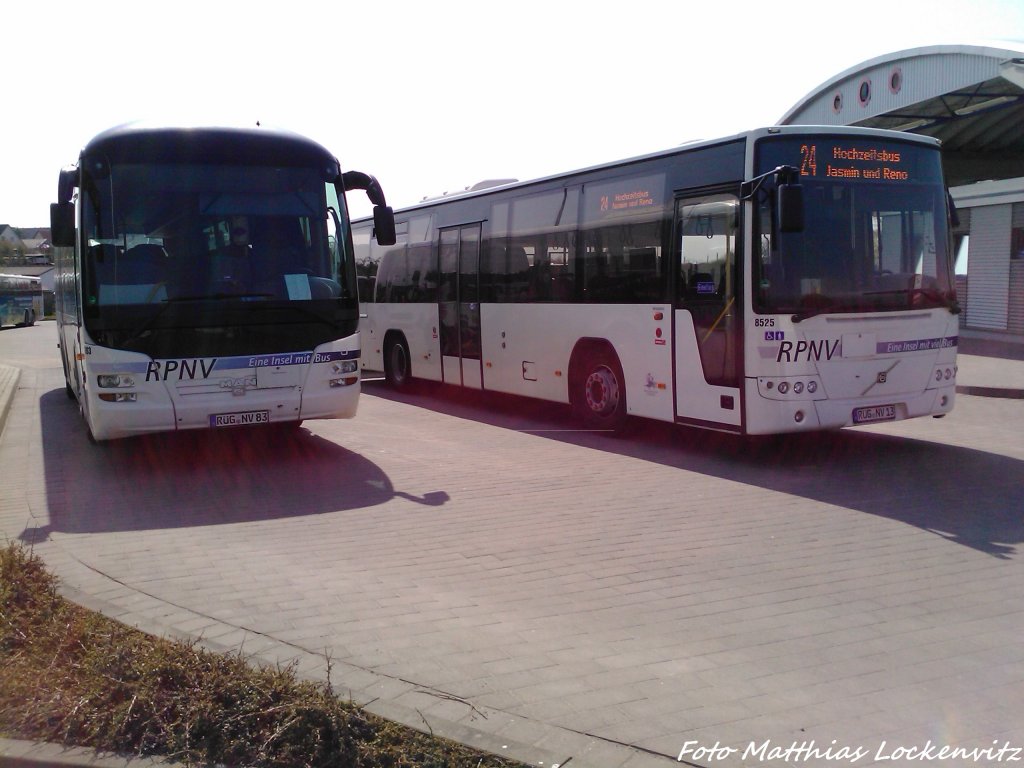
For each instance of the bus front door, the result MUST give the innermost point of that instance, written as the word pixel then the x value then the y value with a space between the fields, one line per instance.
pixel 459 305
pixel 706 317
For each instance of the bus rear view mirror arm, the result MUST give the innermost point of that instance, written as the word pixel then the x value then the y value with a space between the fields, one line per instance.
pixel 789 196
pixel 383 215
pixel 66 184
pixel 62 213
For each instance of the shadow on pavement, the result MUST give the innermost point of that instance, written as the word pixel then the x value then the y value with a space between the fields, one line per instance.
pixel 197 478
pixel 967 496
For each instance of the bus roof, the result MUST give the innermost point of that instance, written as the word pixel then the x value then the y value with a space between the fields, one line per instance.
pixel 134 142
pixel 475 191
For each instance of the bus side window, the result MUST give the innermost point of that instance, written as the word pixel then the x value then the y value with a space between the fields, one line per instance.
pixel 504 272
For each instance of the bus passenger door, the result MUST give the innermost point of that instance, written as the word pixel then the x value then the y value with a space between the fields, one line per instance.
pixel 459 305
pixel 707 328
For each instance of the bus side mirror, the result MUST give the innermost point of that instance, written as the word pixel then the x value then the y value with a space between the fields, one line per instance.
pixel 384 225
pixel 66 184
pixel 789 208
pixel 62 225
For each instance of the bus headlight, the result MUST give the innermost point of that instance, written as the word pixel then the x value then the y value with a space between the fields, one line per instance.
pixel 345 373
pixel 345 366
pixel 114 380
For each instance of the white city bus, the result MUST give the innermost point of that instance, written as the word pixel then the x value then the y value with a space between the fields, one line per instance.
pixel 21 300
pixel 786 279
pixel 205 279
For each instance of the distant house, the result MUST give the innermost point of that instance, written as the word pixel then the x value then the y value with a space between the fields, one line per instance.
pixel 9 234
pixel 37 250
pixel 32 245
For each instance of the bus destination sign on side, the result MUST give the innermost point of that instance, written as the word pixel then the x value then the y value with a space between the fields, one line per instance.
pixel 632 196
pixel 853 162
pixel 626 200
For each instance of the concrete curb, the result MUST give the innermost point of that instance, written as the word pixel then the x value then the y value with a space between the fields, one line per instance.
pixel 16 753
pixel 8 386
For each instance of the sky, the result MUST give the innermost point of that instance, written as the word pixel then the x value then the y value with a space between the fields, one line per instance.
pixel 436 95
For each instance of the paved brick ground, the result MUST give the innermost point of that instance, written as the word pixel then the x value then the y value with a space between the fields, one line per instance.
pixel 549 594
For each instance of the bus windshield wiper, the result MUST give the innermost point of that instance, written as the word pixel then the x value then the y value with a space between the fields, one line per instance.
pixel 820 307
pixel 940 299
pixel 299 306
pixel 166 304
pixel 808 313
pixel 218 296
pixel 804 314
pixel 146 326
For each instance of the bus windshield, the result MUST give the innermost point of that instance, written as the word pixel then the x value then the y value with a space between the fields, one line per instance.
pixel 875 232
pixel 159 237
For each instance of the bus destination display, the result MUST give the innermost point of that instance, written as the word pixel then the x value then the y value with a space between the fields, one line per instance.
pixel 854 162
pixel 844 160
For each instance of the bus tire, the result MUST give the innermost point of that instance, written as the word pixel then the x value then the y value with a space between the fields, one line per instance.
pixel 397 364
pixel 84 409
pixel 68 389
pixel 599 396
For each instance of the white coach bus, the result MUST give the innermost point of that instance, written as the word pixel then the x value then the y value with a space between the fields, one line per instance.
pixel 205 279
pixel 786 279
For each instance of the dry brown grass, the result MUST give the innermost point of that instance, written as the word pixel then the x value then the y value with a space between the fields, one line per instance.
pixel 77 678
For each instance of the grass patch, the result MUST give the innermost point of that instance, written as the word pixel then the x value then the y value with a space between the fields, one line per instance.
pixel 75 677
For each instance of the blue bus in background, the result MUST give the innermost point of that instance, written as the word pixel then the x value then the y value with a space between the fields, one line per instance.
pixel 21 300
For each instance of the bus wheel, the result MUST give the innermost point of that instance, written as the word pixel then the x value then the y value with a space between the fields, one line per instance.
pixel 68 389
pixel 84 410
pixel 600 399
pixel 397 368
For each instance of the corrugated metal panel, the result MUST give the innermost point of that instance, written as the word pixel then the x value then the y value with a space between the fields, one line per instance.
pixel 1015 314
pixel 989 269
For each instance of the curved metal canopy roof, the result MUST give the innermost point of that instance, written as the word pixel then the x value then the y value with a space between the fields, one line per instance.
pixel 971 97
